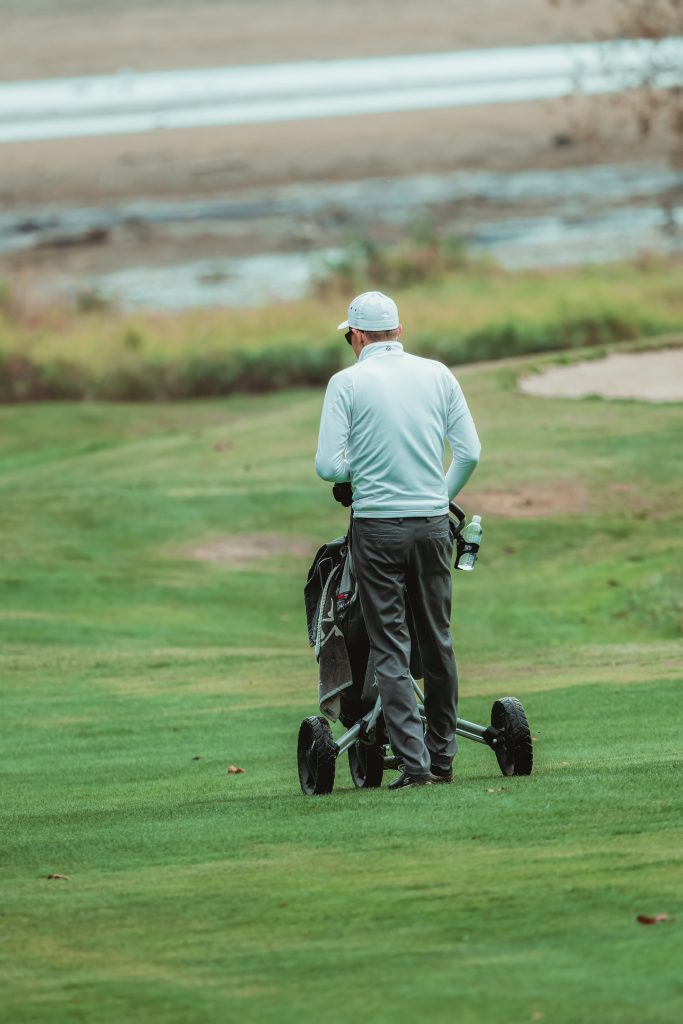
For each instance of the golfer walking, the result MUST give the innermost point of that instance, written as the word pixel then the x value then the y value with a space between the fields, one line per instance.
pixel 383 427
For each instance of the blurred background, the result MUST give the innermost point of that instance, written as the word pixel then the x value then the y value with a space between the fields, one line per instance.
pixel 190 194
pixel 158 158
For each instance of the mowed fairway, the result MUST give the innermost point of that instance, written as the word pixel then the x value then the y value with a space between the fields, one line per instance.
pixel 134 672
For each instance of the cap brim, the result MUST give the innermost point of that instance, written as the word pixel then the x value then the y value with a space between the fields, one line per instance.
pixel 343 326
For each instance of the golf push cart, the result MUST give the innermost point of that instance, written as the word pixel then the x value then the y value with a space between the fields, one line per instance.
pixel 347 686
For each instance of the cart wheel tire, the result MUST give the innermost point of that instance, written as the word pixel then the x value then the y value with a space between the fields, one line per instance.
pixel 513 751
pixel 316 756
pixel 366 763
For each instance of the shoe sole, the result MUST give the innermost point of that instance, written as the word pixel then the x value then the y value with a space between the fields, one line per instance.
pixel 412 785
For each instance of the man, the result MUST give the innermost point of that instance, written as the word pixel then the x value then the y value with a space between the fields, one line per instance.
pixel 383 426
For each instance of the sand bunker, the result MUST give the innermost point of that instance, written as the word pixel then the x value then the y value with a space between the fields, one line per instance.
pixel 531 501
pixel 647 376
pixel 241 550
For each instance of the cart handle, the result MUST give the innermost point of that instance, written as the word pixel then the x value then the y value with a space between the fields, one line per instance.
pixel 458 514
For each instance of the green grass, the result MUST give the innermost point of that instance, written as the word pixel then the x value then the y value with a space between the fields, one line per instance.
pixel 465 315
pixel 198 896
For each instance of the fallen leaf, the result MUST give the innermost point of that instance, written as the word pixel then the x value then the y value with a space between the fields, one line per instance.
pixel 490 790
pixel 657 919
pixel 234 770
pixel 63 878
pixel 534 738
pixel 537 1015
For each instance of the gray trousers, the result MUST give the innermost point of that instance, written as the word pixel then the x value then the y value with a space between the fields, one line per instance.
pixel 392 557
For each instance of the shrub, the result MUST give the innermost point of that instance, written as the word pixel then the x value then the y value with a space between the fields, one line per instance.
pixel 24 380
pixel 513 338
pixel 201 375
pixel 92 301
pixel 423 256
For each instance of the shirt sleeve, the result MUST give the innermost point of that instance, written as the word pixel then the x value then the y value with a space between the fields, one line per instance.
pixel 331 462
pixel 461 434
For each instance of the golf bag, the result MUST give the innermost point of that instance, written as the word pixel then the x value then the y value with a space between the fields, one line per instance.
pixel 336 629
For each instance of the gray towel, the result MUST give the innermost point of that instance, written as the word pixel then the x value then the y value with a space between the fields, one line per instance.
pixel 330 648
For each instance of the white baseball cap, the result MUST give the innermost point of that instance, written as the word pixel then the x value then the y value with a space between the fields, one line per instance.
pixel 372 311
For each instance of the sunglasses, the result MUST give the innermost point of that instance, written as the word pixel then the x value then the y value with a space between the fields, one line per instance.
pixel 349 333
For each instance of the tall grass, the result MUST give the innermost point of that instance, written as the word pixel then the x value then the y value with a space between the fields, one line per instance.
pixel 452 309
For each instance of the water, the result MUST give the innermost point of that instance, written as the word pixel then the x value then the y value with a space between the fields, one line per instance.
pixel 529 219
pixel 254 281
pixel 515 243
pixel 534 242
pixel 131 101
pixel 276 212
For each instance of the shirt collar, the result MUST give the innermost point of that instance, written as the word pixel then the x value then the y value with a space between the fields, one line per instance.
pixel 380 348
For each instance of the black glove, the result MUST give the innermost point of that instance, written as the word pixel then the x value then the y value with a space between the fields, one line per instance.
pixel 343 494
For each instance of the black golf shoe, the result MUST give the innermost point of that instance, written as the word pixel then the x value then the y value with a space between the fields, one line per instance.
pixel 442 774
pixel 405 781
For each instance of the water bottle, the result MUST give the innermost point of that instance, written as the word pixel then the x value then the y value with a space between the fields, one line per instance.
pixel 471 539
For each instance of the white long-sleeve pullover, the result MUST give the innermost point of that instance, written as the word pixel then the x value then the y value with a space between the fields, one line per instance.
pixel 383 427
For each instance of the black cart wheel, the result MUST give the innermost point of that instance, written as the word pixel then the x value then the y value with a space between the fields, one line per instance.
pixel 316 756
pixel 366 762
pixel 513 750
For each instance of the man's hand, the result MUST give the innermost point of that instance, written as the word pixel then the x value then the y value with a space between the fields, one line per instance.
pixel 343 494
